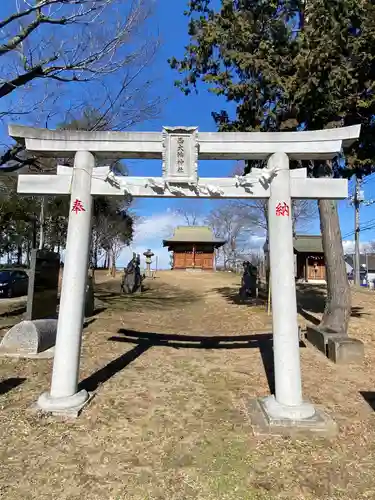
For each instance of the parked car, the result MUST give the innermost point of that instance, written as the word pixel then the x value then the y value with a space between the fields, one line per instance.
pixel 13 282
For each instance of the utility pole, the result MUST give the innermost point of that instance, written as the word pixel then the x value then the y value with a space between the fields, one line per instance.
pixel 357 202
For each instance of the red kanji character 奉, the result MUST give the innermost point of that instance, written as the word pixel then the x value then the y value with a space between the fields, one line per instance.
pixel 78 206
pixel 282 209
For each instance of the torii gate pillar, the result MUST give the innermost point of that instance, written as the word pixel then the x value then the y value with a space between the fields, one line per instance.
pixel 287 402
pixel 63 394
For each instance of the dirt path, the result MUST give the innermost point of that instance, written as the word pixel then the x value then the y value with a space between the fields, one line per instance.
pixel 168 420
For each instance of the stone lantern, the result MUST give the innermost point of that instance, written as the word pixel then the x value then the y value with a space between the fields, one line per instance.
pixel 148 254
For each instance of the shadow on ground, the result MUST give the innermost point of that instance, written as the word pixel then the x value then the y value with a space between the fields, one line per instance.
pixel 156 295
pixel 369 397
pixel 146 340
pixel 98 378
pixel 232 295
pixel 311 300
pixel 13 312
pixel 9 384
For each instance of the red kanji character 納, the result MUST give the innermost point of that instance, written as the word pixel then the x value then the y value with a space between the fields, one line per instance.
pixel 282 209
pixel 78 206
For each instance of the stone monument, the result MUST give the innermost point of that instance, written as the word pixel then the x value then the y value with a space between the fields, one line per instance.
pixel 248 281
pixel 36 335
pixel 148 254
pixel 132 279
pixel 42 295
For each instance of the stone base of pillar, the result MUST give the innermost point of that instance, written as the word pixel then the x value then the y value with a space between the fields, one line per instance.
pixel 318 425
pixel 277 411
pixel 345 350
pixel 70 406
pixel 339 348
pixel 319 338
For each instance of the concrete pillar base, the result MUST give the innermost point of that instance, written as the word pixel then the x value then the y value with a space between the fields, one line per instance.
pixel 67 406
pixel 319 425
pixel 277 411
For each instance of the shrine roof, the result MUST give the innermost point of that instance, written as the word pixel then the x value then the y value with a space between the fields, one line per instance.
pixel 308 243
pixel 193 234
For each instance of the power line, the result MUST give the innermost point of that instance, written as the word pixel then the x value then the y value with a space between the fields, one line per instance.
pixel 370 224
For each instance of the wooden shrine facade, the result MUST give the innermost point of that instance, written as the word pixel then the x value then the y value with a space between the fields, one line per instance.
pixel 309 259
pixel 309 263
pixel 193 248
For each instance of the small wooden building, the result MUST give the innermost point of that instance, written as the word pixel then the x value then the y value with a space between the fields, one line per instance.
pixel 309 263
pixel 193 247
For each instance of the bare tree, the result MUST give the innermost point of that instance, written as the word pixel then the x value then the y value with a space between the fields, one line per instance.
pixel 303 211
pixel 59 55
pixel 191 217
pixel 113 234
pixel 234 223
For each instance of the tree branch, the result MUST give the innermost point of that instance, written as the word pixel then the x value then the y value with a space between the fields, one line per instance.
pixel 18 15
pixel 21 80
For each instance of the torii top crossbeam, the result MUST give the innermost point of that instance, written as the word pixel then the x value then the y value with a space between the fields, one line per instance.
pixel 180 149
pixel 305 145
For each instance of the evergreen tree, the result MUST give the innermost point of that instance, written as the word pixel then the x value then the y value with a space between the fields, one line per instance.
pixel 292 65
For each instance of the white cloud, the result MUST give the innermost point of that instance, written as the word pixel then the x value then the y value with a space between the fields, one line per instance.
pixel 256 242
pixel 348 246
pixel 149 233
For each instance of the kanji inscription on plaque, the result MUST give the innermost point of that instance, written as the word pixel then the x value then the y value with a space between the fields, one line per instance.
pixel 180 155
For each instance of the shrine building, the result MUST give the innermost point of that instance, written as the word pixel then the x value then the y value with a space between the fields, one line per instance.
pixel 309 259
pixel 309 264
pixel 193 248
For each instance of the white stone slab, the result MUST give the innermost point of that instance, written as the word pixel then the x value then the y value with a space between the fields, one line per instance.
pixel 300 173
pixel 313 145
pixel 180 154
pixel 44 184
pixel 319 189
pixel 29 338
pixel 301 188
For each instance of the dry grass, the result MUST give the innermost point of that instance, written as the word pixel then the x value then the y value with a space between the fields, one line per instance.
pixel 168 419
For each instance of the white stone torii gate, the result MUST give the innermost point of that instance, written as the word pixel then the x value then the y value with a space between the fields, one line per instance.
pixel 180 148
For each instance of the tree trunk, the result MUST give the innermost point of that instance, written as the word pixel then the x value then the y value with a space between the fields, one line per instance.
pixel 35 234
pixel 294 221
pixel 95 256
pixel 19 255
pixel 113 264
pixel 28 253
pixel 338 305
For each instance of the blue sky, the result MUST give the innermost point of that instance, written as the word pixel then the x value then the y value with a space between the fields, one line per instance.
pixel 158 216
